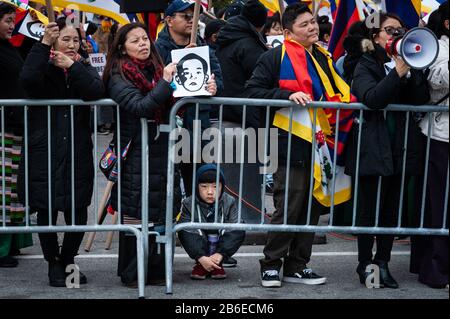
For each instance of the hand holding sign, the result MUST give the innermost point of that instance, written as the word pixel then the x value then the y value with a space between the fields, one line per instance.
pixel 169 71
pixel 51 33
pixel 211 85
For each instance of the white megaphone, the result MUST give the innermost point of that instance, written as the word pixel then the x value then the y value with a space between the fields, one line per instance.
pixel 419 48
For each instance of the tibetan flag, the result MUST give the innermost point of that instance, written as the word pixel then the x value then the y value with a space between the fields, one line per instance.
pixel 301 72
pixel 408 10
pixel 107 8
pixel 333 8
pixel 347 14
pixel 272 6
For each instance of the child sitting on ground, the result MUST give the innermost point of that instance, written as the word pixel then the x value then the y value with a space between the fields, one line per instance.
pixel 209 247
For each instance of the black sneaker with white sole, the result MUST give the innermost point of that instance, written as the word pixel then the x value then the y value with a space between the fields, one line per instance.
pixel 229 262
pixel 306 276
pixel 270 278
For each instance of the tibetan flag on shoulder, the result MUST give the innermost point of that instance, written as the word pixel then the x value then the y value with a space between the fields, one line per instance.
pixel 301 72
pixel 347 14
pixel 408 10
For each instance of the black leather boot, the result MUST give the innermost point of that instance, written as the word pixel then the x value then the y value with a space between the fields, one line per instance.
pixel 56 274
pixel 361 271
pixel 386 278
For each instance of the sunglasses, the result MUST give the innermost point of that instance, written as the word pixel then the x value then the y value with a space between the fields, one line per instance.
pixel 186 16
pixel 395 31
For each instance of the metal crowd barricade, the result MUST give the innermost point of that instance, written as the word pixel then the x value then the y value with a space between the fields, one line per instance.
pixel 141 236
pixel 172 229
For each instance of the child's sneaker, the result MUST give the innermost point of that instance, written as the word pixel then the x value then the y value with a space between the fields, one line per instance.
pixel 218 273
pixel 198 272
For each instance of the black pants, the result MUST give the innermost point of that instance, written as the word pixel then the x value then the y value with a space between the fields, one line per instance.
pixel 295 248
pixel 71 242
pixel 388 214
pixel 430 254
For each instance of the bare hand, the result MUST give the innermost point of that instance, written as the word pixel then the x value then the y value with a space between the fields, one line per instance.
pixel 400 66
pixel 51 34
pixel 191 45
pixel 217 258
pixel 208 263
pixel 300 98
pixel 169 71
pixel 62 61
pixel 211 85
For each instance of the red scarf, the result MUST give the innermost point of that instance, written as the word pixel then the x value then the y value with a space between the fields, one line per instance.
pixel 132 69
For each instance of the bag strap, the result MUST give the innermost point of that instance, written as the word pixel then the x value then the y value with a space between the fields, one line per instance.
pixel 442 99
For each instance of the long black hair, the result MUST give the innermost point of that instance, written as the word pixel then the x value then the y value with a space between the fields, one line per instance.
pixel 437 20
pixel 117 58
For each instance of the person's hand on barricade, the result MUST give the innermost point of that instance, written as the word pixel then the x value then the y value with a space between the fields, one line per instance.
pixel 300 98
pixel 208 263
pixel 169 71
pixel 211 85
pixel 61 60
pixel 51 34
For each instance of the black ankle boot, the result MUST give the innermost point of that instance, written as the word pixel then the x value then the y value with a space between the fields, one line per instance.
pixel 56 274
pixel 362 272
pixel 386 278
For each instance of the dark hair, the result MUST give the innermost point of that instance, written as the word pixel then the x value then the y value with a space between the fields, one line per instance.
pixel 437 19
pixel 270 22
pixel 291 13
pixel 383 17
pixel 325 27
pixel 220 13
pixel 112 35
pixel 6 8
pixel 115 56
pixel 191 56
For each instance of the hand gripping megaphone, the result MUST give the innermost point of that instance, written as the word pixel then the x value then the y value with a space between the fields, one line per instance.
pixel 419 48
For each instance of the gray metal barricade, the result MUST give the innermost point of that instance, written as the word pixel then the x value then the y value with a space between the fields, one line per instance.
pixel 172 229
pixel 141 236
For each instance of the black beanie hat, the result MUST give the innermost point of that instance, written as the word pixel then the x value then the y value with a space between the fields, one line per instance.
pixel 213 27
pixel 255 12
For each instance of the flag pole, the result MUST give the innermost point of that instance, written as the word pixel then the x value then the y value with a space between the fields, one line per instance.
pixel 50 12
pixel 195 22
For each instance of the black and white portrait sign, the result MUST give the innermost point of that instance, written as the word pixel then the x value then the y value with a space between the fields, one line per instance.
pixel 193 71
pixel 275 40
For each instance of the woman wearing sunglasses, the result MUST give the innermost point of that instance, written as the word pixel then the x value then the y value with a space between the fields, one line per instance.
pixel 379 80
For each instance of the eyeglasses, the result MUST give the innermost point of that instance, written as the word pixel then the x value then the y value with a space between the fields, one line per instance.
pixel 186 16
pixel 395 31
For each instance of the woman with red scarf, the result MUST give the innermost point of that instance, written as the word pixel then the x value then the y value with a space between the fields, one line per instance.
pixel 137 80
pixel 55 70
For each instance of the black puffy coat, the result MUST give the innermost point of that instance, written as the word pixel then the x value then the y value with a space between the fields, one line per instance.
pixel 43 80
pixel 239 47
pixel 382 138
pixel 11 64
pixel 134 106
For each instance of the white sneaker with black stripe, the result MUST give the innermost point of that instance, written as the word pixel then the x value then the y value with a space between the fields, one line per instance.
pixel 270 278
pixel 306 276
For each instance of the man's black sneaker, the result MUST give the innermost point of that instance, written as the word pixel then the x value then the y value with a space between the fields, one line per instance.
pixel 270 278
pixel 229 262
pixel 306 276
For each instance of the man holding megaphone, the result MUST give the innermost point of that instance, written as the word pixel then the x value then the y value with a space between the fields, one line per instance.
pixel 385 77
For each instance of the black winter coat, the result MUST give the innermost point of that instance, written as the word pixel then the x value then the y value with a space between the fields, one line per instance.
pixel 11 64
pixel 195 241
pixel 42 80
pixel 239 47
pixel 264 84
pixel 382 138
pixel 134 106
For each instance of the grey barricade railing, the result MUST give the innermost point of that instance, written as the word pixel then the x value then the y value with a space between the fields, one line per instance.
pixel 172 229
pixel 141 236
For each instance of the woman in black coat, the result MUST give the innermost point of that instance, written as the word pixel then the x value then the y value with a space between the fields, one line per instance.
pixel 61 74
pixel 137 80
pixel 377 83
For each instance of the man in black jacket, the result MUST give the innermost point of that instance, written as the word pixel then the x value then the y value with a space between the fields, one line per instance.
pixel 299 25
pixel 240 44
pixel 176 35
